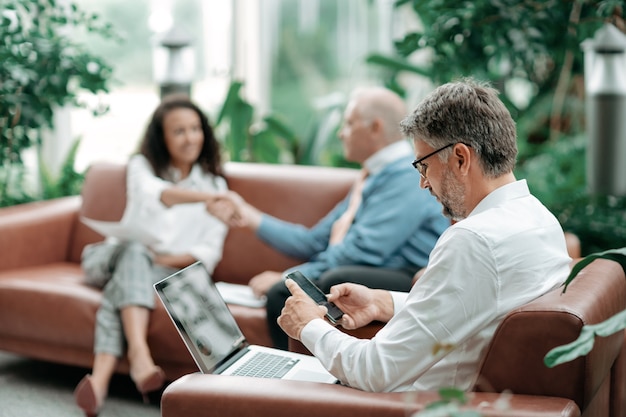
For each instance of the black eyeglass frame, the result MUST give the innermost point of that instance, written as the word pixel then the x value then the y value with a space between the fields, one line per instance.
pixel 421 168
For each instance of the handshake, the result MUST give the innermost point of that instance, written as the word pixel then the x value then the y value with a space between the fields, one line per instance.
pixel 233 210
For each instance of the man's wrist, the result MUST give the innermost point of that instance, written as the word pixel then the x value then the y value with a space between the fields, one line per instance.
pixel 385 306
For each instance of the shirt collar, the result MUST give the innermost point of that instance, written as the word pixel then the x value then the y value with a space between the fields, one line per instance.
pixel 194 175
pixel 517 189
pixel 375 163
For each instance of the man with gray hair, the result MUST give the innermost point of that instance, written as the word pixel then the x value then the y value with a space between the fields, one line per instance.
pixel 505 249
pixel 380 235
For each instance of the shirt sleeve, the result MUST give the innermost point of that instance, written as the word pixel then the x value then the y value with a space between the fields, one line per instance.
pixel 143 195
pixel 393 210
pixel 210 248
pixel 296 240
pixel 452 300
pixel 141 182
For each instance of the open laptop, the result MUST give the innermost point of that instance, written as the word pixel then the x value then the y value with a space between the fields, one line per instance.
pixel 214 339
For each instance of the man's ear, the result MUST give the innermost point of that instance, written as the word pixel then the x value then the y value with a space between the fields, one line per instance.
pixel 463 157
pixel 377 125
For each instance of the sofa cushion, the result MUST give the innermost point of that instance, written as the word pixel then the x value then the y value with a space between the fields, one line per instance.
pixel 54 300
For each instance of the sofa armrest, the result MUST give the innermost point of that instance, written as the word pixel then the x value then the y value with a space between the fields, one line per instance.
pixel 37 233
pixel 231 396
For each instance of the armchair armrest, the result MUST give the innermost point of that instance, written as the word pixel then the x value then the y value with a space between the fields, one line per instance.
pixel 195 394
pixel 37 233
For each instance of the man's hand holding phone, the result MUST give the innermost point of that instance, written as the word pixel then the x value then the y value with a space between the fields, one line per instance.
pixel 361 304
pixel 298 311
pixel 333 313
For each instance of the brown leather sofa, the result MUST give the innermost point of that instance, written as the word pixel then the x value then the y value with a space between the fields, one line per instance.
pixel 592 385
pixel 47 312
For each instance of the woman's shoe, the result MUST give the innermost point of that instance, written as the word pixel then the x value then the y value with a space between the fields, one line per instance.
pixel 86 397
pixel 152 382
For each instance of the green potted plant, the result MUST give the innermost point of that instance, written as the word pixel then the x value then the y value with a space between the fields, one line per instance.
pixel 42 67
pixel 532 47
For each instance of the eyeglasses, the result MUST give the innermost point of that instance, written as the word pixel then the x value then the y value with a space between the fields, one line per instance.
pixel 421 168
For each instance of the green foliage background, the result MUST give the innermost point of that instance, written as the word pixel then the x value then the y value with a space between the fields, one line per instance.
pixel 513 43
pixel 42 67
pixel 536 45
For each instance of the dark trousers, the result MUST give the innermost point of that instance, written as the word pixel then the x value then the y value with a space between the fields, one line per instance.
pixel 372 277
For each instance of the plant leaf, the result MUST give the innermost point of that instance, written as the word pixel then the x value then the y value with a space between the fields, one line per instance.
pixel 617 255
pixel 453 394
pixel 232 96
pixel 396 64
pixel 586 340
pixel 611 325
pixel 280 128
pixel 565 353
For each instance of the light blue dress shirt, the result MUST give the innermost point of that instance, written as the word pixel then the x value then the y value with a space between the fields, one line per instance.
pixel 395 227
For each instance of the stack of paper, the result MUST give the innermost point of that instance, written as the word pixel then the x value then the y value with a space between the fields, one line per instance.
pixel 239 294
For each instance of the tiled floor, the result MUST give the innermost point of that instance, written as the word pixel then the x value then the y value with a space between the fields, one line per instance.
pixel 31 388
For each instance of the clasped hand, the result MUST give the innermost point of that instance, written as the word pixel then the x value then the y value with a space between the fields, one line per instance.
pixel 231 209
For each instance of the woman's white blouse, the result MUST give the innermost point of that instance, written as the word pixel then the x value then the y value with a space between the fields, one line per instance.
pixel 183 228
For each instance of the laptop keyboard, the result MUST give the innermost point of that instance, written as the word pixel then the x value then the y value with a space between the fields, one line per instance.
pixel 266 365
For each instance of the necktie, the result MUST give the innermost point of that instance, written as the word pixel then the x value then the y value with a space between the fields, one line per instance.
pixel 343 223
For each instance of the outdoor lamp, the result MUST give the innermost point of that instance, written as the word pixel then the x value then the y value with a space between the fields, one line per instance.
pixel 174 63
pixel 605 90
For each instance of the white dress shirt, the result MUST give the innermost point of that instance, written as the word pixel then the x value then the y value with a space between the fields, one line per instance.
pixel 507 252
pixel 182 228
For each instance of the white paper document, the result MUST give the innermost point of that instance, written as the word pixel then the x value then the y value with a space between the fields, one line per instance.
pixel 239 294
pixel 122 231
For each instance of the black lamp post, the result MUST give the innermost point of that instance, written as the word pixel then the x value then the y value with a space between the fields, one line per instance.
pixel 174 63
pixel 605 86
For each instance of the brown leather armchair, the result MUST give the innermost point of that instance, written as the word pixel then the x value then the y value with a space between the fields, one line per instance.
pixel 591 385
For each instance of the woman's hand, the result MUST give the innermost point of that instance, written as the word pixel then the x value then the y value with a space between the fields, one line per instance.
pixel 262 282
pixel 173 261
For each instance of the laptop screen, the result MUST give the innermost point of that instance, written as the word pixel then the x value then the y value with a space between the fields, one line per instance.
pixel 201 316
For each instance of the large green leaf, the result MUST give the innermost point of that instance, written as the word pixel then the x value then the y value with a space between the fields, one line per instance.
pixel 240 122
pixel 276 125
pixel 585 341
pixel 265 147
pixel 449 405
pixel 68 182
pixel 396 64
pixel 232 97
pixel 617 255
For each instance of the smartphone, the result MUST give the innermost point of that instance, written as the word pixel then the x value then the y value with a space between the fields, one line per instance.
pixel 313 291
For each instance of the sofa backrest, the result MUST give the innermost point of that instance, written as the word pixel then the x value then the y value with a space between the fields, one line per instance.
pixel 514 359
pixel 296 193
pixel 103 198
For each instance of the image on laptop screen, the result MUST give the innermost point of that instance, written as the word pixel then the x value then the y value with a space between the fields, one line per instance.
pixel 207 327
pixel 214 339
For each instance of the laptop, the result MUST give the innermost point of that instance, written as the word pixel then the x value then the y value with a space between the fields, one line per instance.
pixel 214 339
